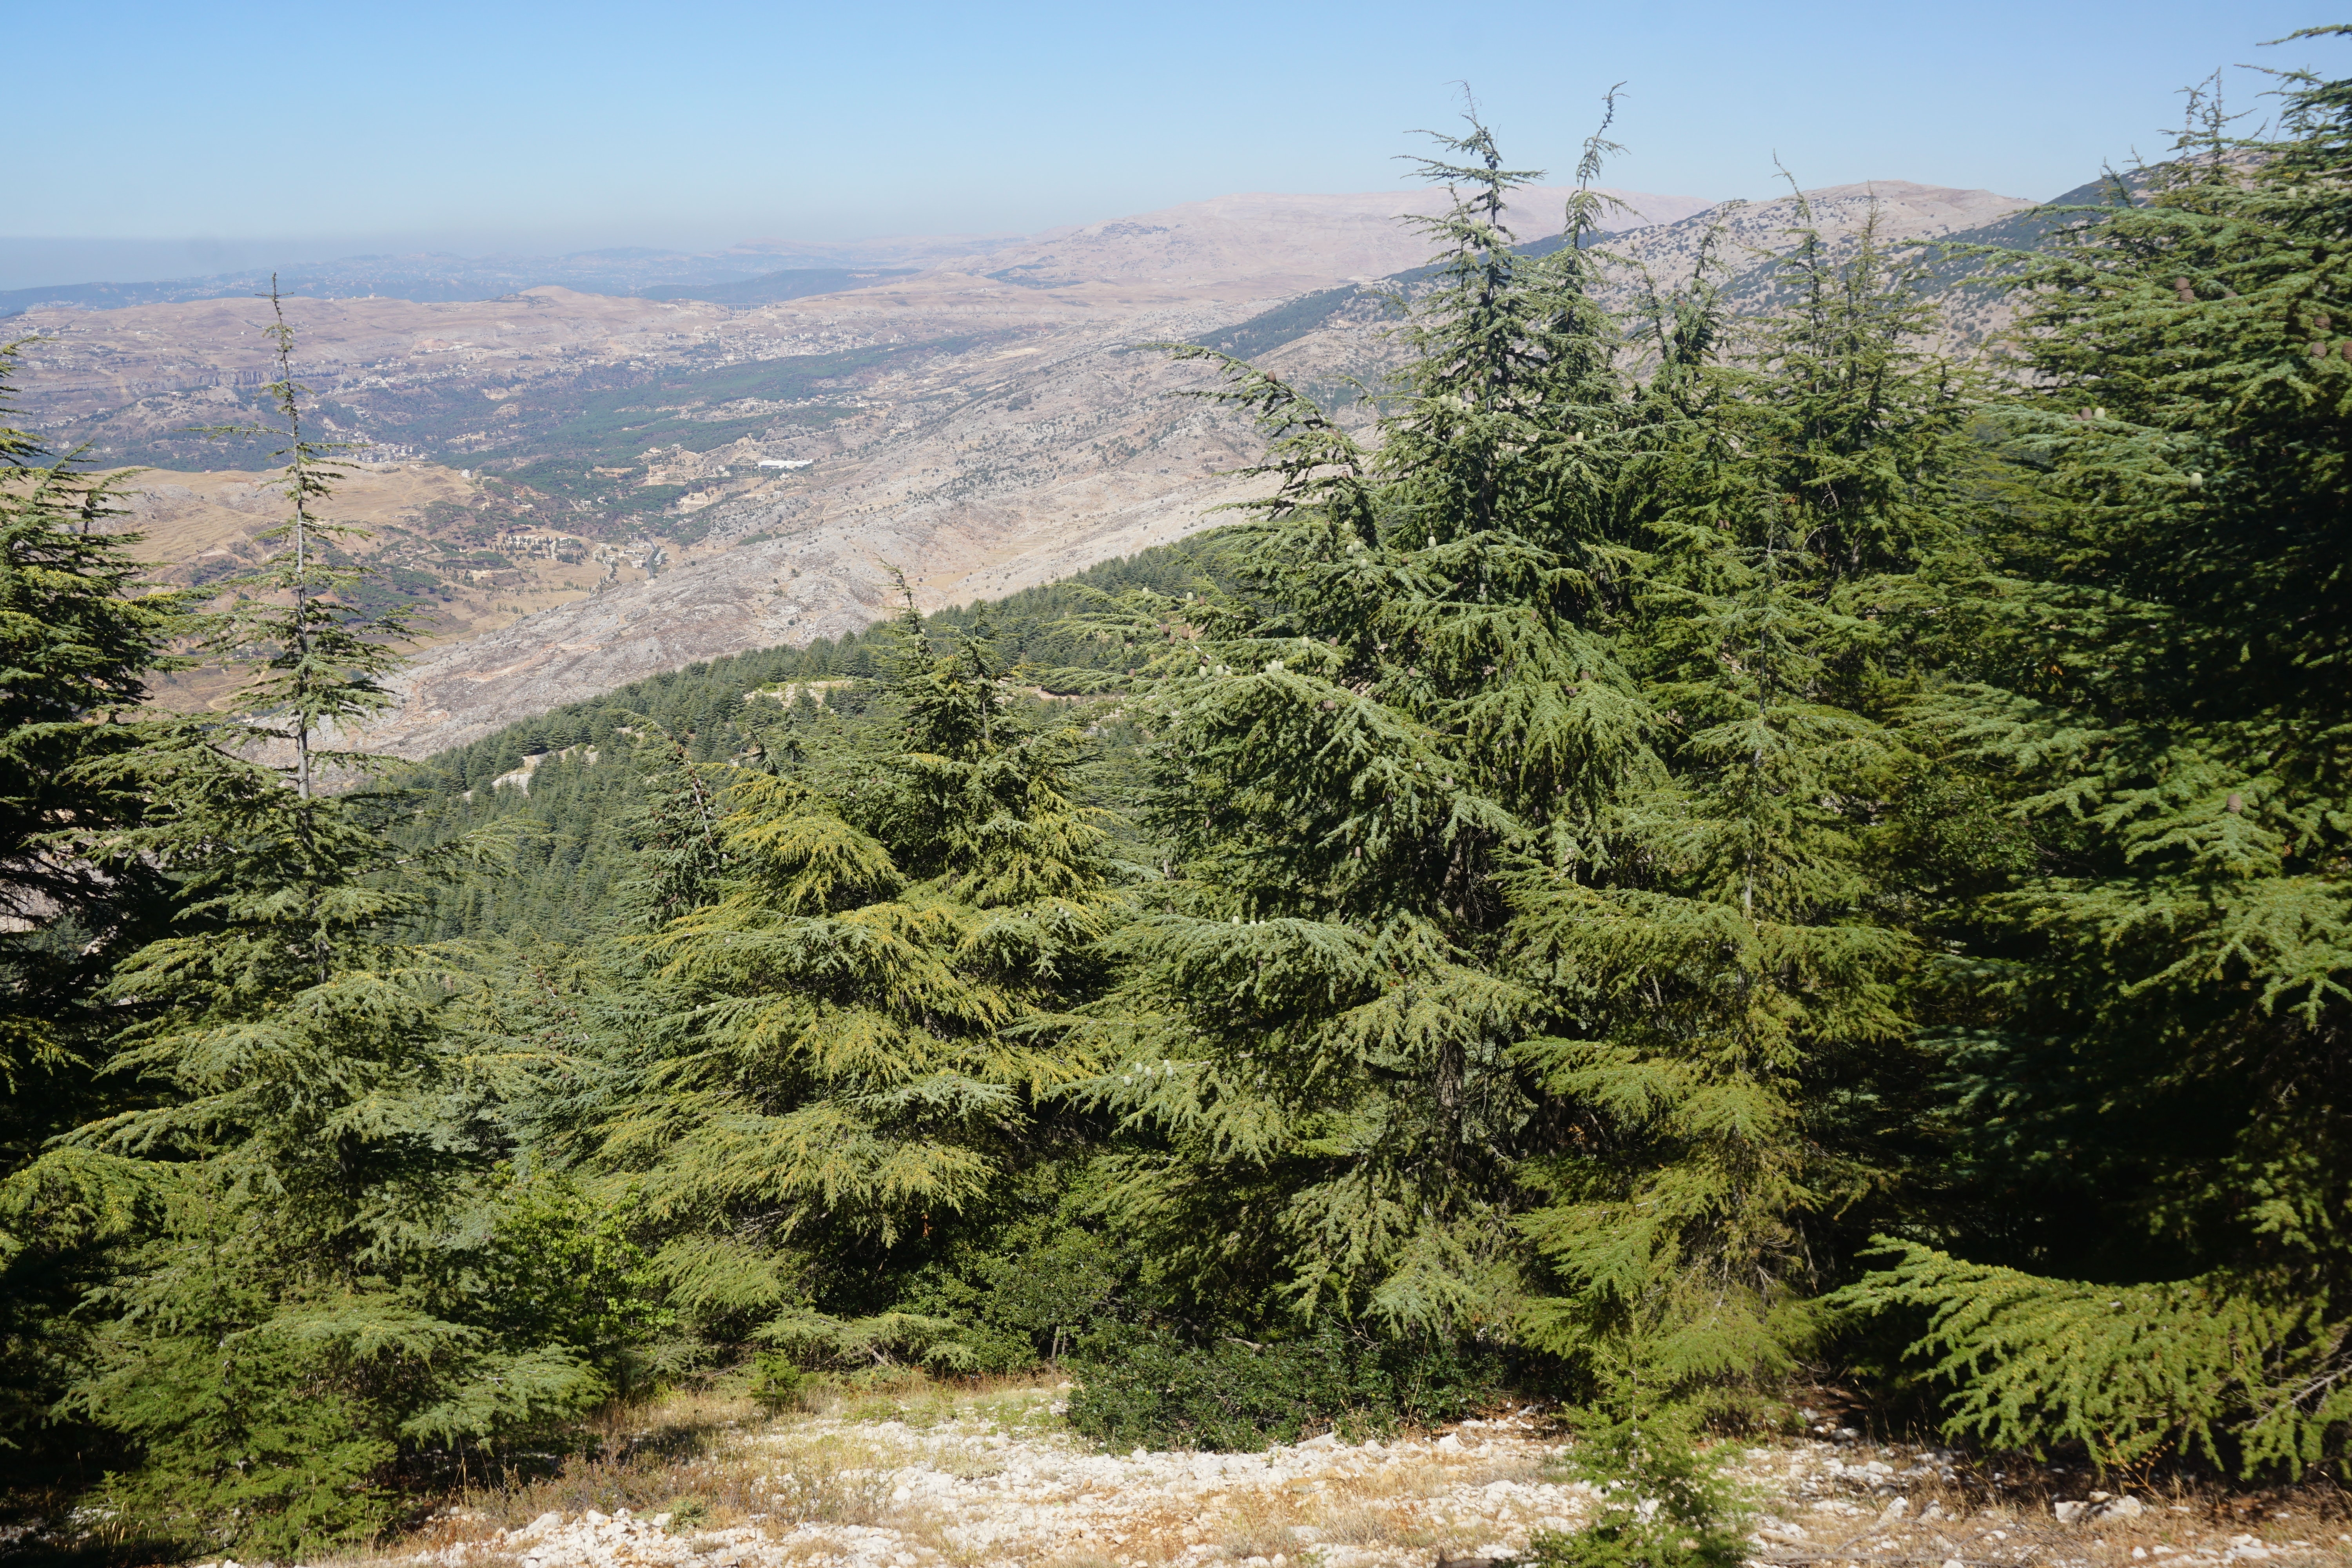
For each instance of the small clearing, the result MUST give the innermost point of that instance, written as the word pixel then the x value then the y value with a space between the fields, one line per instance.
pixel 996 1480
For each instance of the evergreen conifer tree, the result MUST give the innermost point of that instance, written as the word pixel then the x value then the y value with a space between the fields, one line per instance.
pixel 81 636
pixel 846 1063
pixel 1414 695
pixel 1731 984
pixel 318 1295
pixel 2147 1042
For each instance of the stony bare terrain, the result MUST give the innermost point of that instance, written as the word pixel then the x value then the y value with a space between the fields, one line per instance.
pixel 420 526
pixel 1753 231
pixel 978 1480
pixel 1269 245
pixel 974 480
pixel 1748 235
pixel 979 425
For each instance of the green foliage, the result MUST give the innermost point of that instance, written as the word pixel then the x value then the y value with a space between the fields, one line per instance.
pixel 1662 1502
pixel 778 1384
pixel 1142 1388
pixel 79 641
pixel 851 953
pixel 885 1342
pixel 1031 1271
pixel 259 1431
pixel 2128 1372
pixel 578 826
pixel 2143 1024
pixel 324 658
pixel 1316 1021
pixel 319 1263
pixel 1728 977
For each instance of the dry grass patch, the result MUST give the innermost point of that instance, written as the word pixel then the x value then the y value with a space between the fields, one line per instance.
pixel 914 1398
pixel 823 1479
pixel 1414 1478
pixel 926 1528
pixel 1261 1522
pixel 1366 1524
pixel 1519 1466
pixel 706 1459
pixel 1015 1410
pixel 645 1457
pixel 964 1462
pixel 1155 1537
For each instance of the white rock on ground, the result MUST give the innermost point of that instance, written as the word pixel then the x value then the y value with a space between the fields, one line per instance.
pixel 971 1493
pixel 959 1492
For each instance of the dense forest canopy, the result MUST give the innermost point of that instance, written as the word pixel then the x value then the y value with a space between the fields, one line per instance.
pixel 1707 850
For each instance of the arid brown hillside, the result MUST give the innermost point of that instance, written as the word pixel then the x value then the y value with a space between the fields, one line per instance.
pixel 763 472
pixel 1263 244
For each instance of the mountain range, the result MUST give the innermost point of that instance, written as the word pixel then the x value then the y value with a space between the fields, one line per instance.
pixel 800 266
pixel 581 488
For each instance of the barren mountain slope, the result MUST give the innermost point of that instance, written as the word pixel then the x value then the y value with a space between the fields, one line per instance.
pixel 156 365
pixel 1065 451
pixel 1749 232
pixel 1339 332
pixel 980 427
pixel 442 545
pixel 1748 235
pixel 1270 244
pixel 133 369
pixel 1323 341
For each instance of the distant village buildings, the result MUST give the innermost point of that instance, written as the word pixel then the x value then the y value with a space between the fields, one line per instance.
pixel 533 542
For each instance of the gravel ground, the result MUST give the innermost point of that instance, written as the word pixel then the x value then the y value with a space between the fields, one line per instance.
pixel 966 1493
pixel 998 1482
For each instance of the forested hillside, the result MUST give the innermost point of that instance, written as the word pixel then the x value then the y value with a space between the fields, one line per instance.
pixel 561 788
pixel 1705 856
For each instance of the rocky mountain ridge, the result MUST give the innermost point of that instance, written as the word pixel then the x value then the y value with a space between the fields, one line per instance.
pixel 978 425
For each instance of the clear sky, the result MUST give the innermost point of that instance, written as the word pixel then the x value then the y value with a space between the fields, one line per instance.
pixel 495 125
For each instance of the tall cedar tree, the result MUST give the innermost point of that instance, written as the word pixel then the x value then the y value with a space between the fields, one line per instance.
pixel 81 633
pixel 334 1282
pixel 1738 997
pixel 849 1056
pixel 1416 697
pixel 2158 1067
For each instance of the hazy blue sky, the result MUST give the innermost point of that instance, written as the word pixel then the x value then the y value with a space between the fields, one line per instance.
pixel 532 126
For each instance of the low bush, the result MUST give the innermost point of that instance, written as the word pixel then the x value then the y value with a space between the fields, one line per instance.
pixel 1661 1501
pixel 1148 1389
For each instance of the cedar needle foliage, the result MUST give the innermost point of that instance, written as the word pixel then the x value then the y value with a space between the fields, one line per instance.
pixel 81 637
pixel 1655 801
pixel 847 1051
pixel 311 1296
pixel 2155 1040
pixel 1725 976
pixel 1317 1017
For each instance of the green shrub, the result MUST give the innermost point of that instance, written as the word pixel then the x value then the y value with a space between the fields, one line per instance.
pixel 253 1442
pixel 1662 1502
pixel 777 1383
pixel 1139 1388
